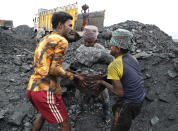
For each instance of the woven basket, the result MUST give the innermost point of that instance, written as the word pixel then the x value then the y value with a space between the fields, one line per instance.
pixel 90 86
pixel 85 7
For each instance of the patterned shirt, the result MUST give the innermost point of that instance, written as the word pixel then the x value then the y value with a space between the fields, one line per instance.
pixel 126 69
pixel 48 58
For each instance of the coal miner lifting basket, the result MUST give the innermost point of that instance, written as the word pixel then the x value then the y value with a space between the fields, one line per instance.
pixel 89 86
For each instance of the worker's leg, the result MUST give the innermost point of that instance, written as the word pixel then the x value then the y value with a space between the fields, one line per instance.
pixel 61 114
pixel 77 94
pixel 124 113
pixel 83 25
pixel 65 125
pixel 106 98
pixel 122 117
pixel 38 123
pixel 81 98
pixel 51 108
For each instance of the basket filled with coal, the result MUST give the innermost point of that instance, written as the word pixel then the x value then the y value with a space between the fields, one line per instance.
pixel 85 7
pixel 89 84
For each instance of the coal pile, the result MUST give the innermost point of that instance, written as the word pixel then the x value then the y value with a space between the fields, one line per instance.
pixel 155 50
pixel 149 38
pixel 24 31
pixel 16 58
pixel 157 54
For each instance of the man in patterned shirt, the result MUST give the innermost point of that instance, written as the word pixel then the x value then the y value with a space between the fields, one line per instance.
pixel 43 89
pixel 127 81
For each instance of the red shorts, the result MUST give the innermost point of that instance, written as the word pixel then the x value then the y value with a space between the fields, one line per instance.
pixel 50 105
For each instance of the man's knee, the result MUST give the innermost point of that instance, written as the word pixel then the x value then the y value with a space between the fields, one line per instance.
pixel 65 124
pixel 39 119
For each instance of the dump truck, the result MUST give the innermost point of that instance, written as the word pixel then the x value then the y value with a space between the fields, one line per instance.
pixel 43 17
pixel 6 24
pixel 95 18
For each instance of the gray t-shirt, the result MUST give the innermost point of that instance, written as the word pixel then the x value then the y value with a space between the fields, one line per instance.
pixel 92 55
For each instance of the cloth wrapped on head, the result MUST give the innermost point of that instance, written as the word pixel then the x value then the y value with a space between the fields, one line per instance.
pixel 123 38
pixel 90 33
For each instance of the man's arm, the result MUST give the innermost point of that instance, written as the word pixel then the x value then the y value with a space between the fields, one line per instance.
pixel 59 71
pixel 116 87
pixel 57 60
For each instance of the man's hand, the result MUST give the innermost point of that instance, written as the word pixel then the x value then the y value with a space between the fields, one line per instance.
pixel 99 82
pixel 79 77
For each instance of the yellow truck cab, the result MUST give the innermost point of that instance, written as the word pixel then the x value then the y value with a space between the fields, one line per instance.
pixel 43 17
pixel 42 20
